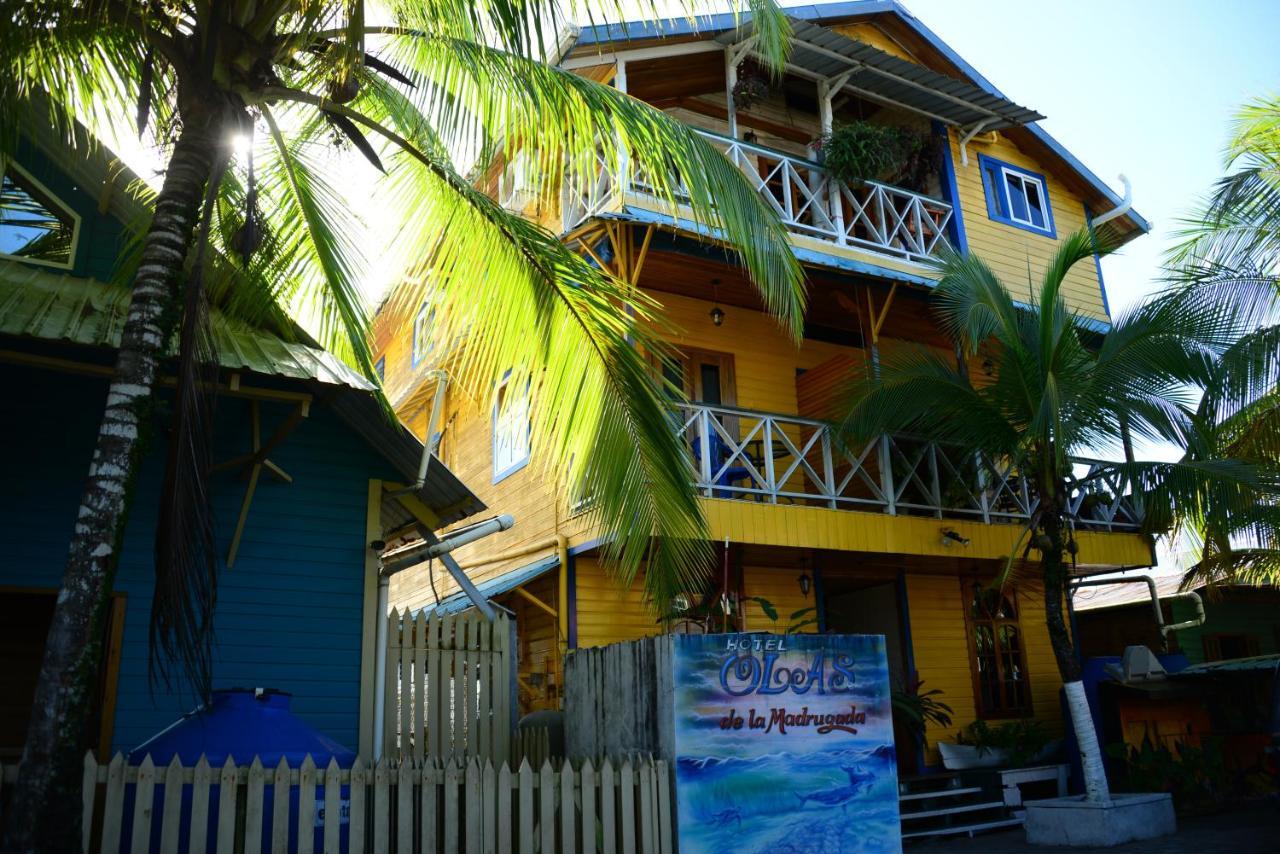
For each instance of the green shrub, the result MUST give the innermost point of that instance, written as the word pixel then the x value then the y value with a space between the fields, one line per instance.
pixel 863 151
pixel 1022 740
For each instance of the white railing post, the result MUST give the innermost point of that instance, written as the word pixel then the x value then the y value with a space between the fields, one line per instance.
pixel 828 469
pixel 704 447
pixel 886 476
pixel 984 500
pixel 935 480
pixel 770 476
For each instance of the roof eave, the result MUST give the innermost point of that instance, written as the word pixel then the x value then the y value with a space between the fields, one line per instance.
pixel 708 25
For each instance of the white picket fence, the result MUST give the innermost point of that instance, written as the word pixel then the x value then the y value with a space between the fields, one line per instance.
pixel 449 687
pixel 422 807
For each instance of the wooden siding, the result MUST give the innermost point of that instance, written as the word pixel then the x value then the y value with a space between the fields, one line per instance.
pixel 1009 250
pixel 780 587
pixel 940 645
pixel 847 530
pixel 290 611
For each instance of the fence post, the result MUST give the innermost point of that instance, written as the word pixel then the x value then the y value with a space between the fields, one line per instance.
pixel 332 807
pixel 357 819
pixel 404 807
pixel 547 806
pixel 280 809
pixel 143 796
pixel 201 780
pixel 526 808
pixel 504 809
pixel 228 781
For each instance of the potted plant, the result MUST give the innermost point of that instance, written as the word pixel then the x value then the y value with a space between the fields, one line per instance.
pixel 860 151
pixel 752 85
pixel 914 709
pixel 1008 745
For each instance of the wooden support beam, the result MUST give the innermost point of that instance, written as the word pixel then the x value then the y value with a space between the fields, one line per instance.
pixel 70 366
pixel 415 505
pixel 520 591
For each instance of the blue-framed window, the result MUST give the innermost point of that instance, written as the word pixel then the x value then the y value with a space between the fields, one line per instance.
pixel 511 429
pixel 380 368
pixel 1016 196
pixel 422 341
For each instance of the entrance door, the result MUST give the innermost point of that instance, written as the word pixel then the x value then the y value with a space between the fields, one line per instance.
pixel 705 376
pixel 864 606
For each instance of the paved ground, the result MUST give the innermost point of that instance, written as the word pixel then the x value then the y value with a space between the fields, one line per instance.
pixel 1253 830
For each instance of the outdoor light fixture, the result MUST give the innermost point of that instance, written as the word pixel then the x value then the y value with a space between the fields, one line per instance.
pixel 805 583
pixel 717 316
pixel 717 313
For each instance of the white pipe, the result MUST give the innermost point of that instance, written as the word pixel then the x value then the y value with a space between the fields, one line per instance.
pixel 426 551
pixel 1122 208
pixel 964 140
pixel 380 666
pixel 1198 620
pixel 429 443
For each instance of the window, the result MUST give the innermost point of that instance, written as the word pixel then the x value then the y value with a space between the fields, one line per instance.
pixel 999 666
pixel 380 368
pixel 510 430
pixel 1016 197
pixel 34 225
pixel 422 341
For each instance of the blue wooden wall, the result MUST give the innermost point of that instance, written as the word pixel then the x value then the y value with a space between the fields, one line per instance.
pixel 102 238
pixel 289 612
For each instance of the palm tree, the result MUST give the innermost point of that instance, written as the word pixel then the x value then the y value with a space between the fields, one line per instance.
pixel 454 87
pixel 1234 243
pixel 1055 390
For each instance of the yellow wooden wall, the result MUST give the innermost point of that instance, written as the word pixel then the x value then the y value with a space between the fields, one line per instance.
pixel 1010 250
pixel 779 586
pixel 940 644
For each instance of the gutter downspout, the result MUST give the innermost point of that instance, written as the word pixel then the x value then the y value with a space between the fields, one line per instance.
pixel 440 548
pixel 1198 620
pixel 560 543
pixel 1119 210
pixel 968 137
pixel 430 443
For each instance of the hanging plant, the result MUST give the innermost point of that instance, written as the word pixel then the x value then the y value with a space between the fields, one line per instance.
pixel 862 151
pixel 752 85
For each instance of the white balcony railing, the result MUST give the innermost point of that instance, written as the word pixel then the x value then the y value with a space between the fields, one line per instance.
pixel 808 199
pixel 783 459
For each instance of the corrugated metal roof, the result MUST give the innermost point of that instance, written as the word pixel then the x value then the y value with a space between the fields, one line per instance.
pixel 875 73
pixel 60 307
pixel 504 583
pixel 1235 665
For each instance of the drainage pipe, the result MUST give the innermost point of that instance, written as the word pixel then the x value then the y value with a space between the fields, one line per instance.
pixel 430 443
pixel 1119 210
pixel 1198 620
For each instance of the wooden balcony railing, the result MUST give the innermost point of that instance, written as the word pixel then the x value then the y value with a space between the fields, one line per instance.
pixel 808 200
pixel 784 459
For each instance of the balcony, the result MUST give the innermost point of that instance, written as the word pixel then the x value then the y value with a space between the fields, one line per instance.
pixel 810 202
pixel 781 459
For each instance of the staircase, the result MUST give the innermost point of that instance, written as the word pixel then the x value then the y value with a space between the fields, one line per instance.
pixel 946 805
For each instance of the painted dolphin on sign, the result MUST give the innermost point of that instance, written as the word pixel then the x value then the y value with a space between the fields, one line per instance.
pixel 727 817
pixel 840 796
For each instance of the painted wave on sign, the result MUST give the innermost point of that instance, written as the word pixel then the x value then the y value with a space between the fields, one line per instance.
pixel 842 800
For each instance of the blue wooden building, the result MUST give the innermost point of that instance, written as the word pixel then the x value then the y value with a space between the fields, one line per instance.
pixel 311 475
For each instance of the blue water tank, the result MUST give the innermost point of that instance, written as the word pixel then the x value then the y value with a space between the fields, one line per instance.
pixel 240 724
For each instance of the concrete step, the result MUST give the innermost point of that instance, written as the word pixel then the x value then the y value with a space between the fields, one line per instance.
pixel 953 810
pixel 962 828
pixel 939 793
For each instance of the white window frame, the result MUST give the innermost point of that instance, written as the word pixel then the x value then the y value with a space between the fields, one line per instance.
pixel 511 431
pixel 996 176
pixel 1022 177
pixel 8 163
pixel 421 345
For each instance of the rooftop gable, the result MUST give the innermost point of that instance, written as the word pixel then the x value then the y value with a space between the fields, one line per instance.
pixel 902 24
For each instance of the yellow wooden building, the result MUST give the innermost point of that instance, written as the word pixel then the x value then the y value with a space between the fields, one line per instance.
pixel 894 538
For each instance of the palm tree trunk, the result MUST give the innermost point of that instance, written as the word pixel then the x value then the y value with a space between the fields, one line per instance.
pixel 1055 590
pixel 45 812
